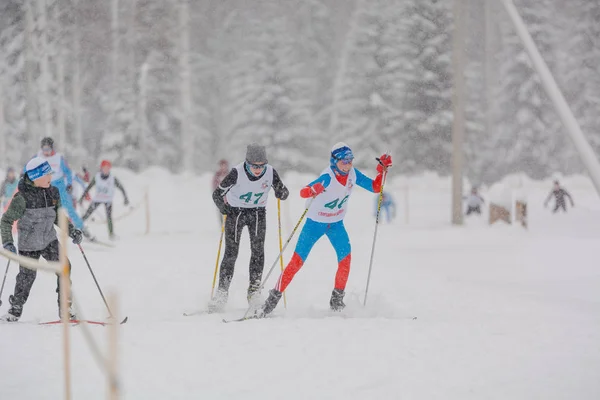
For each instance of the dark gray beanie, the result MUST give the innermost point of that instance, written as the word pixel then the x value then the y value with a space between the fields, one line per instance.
pixel 255 153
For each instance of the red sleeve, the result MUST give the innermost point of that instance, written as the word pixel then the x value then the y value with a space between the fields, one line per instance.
pixel 306 192
pixel 377 183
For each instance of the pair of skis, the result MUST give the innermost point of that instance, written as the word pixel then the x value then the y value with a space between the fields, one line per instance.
pixel 86 321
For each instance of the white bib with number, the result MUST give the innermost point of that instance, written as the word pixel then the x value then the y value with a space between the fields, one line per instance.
pixel 250 194
pixel 331 205
pixel 54 161
pixel 105 189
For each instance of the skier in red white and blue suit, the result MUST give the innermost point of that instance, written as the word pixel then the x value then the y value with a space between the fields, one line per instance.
pixel 331 192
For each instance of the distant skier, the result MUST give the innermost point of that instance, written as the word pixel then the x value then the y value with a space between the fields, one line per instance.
pixel 8 188
pixel 388 206
pixel 62 179
pixel 331 192
pixel 559 194
pixel 474 202
pixel 217 179
pixel 242 196
pixel 35 206
pixel 105 184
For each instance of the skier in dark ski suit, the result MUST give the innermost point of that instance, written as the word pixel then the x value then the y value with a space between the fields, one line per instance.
pixel 242 197
pixel 35 206
pixel 559 194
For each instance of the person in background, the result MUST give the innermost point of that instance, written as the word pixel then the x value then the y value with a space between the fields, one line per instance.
pixel 388 206
pixel 559 194
pixel 106 184
pixel 474 202
pixel 217 179
pixel 8 188
pixel 62 179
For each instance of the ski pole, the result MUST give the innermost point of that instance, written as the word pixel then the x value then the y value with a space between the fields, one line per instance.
pixel 95 280
pixel 212 290
pixel 3 281
pixel 280 245
pixel 375 235
pixel 287 242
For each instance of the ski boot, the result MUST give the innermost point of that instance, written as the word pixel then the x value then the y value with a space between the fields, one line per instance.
pixel 217 304
pixel 337 300
pixel 14 313
pixel 253 295
pixel 72 315
pixel 270 304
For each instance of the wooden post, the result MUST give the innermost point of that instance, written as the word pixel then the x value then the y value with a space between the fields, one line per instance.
pixel 113 347
pixel 65 290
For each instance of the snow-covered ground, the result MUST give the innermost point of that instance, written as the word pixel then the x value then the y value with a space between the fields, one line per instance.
pixel 502 313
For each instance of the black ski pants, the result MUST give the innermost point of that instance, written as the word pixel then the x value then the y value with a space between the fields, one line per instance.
pixel 559 205
pixel 256 221
pixel 26 276
pixel 109 219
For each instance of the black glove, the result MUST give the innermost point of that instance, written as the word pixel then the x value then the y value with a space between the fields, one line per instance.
pixel 126 202
pixel 76 235
pixel 229 211
pixel 69 189
pixel 10 247
pixel 284 194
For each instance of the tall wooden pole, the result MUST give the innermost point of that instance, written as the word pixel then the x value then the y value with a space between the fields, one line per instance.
pixel 65 294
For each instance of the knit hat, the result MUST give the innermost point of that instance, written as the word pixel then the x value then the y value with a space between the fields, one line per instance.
pixel 47 141
pixel 37 168
pixel 255 153
pixel 341 151
pixel 105 163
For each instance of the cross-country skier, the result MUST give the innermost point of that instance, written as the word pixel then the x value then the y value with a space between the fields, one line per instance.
pixel 242 197
pixel 62 179
pixel 559 194
pixel 35 206
pixel 331 192
pixel 474 202
pixel 105 183
pixel 8 188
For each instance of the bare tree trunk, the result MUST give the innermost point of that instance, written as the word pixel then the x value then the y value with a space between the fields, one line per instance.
pixel 343 66
pixel 76 93
pixel 29 52
pixel 187 137
pixel 114 60
pixel 46 109
pixel 3 133
pixel 142 121
pixel 489 59
pixel 458 128
pixel 60 107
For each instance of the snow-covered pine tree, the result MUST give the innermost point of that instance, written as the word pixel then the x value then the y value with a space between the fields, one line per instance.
pixel 428 96
pixel 578 58
pixel 12 77
pixel 370 99
pixel 269 93
pixel 529 135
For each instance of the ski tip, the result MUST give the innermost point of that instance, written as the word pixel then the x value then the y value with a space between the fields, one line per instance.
pixel 124 320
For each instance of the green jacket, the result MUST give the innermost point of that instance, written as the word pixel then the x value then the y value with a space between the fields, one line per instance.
pixel 36 210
